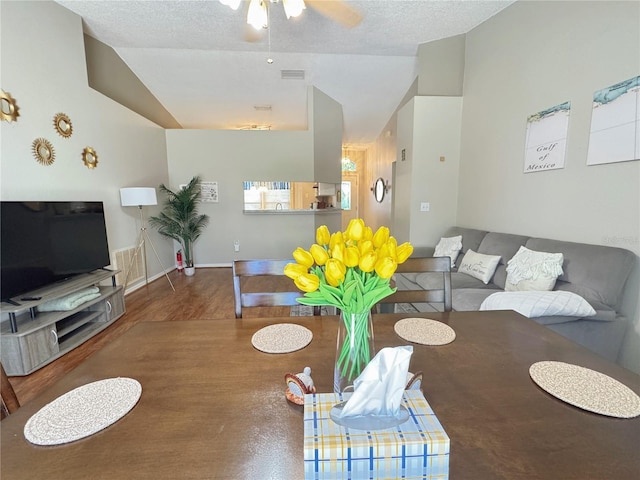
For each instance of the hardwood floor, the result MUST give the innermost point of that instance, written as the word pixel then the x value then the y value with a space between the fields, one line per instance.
pixel 206 296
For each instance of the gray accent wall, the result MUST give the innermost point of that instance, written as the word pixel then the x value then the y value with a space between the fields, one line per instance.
pixel 441 67
pixel 108 74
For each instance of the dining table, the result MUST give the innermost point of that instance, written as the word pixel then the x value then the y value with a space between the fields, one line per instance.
pixel 213 406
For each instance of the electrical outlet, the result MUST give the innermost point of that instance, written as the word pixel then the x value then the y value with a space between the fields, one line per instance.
pixel 236 246
pixel 424 206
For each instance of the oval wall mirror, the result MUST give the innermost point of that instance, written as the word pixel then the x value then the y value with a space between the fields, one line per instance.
pixel 43 151
pixel 8 107
pixel 379 190
pixel 90 157
pixel 63 125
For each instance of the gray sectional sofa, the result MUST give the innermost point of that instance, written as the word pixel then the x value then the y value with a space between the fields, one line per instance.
pixel 596 273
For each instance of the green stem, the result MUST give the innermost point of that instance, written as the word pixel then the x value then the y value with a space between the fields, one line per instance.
pixel 355 353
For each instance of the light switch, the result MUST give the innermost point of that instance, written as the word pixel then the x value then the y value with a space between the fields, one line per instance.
pixel 424 206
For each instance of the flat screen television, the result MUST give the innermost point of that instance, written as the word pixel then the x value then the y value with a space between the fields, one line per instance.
pixel 47 242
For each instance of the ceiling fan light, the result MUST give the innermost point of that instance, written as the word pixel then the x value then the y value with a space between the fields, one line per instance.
pixel 293 8
pixel 234 4
pixel 257 15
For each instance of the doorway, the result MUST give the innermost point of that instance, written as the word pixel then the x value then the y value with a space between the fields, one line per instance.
pixel 352 165
pixel 349 198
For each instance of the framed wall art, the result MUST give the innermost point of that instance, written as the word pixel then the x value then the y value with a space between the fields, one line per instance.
pixel 615 124
pixel 546 139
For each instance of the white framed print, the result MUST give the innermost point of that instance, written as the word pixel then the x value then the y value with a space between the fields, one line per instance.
pixel 615 124
pixel 209 192
pixel 546 139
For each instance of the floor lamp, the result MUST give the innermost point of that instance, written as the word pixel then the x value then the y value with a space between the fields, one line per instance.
pixel 138 197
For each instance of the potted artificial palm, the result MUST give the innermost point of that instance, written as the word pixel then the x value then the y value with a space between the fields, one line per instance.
pixel 180 219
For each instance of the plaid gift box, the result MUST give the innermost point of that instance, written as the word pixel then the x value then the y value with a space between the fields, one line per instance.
pixel 417 448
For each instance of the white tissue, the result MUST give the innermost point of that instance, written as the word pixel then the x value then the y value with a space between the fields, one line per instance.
pixel 379 388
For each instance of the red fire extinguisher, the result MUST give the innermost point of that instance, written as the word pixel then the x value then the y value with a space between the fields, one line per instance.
pixel 179 260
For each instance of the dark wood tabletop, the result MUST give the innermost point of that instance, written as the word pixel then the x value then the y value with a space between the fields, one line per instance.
pixel 213 407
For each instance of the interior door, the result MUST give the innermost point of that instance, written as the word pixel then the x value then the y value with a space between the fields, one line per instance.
pixel 349 197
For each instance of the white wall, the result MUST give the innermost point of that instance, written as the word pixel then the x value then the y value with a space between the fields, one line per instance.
pixel 230 157
pixel 531 56
pixel 380 157
pixel 43 68
pixel 436 135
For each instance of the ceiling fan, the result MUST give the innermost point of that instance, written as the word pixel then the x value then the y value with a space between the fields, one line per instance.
pixel 336 10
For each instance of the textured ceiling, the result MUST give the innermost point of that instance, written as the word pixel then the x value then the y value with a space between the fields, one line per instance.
pixel 209 69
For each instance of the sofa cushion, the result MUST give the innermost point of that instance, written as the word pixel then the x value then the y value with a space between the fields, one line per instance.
pixel 470 299
pixel 479 265
pixel 471 237
pixel 539 304
pixel 449 247
pixel 597 273
pixel 531 270
pixel 433 280
pixel 506 246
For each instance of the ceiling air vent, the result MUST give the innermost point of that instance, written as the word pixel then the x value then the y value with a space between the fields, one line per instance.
pixel 262 108
pixel 292 74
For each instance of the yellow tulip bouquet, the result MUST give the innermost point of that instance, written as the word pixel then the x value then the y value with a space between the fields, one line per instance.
pixel 350 270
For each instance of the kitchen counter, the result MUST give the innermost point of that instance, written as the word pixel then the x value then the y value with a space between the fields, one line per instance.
pixel 318 211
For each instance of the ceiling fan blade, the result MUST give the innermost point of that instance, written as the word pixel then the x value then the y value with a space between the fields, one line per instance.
pixel 337 10
pixel 251 35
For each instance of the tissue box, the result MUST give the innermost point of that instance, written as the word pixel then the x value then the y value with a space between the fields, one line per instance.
pixel 418 448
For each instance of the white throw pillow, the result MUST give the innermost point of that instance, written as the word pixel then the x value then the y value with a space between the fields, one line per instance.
pixel 449 247
pixel 540 304
pixel 531 270
pixel 479 265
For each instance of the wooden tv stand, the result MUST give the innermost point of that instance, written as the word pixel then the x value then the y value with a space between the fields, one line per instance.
pixel 30 339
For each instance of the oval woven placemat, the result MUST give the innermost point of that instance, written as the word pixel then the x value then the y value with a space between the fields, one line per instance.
pixel 281 338
pixel 586 389
pixel 424 331
pixel 83 411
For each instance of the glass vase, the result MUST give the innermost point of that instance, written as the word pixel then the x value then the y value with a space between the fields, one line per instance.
pixel 355 348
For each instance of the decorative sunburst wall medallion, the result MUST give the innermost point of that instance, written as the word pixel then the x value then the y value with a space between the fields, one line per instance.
pixel 43 151
pixel 63 125
pixel 90 157
pixel 8 107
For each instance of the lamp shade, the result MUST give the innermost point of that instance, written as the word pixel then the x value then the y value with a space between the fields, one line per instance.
pixel 136 196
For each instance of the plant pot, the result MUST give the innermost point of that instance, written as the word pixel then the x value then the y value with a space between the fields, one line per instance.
pixel 189 271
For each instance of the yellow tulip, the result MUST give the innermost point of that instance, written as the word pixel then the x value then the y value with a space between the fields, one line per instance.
pixel 386 267
pixel 337 251
pixel 365 246
pixel 355 229
pixel 294 270
pixel 404 251
pixel 368 261
pixel 380 237
pixel 303 257
pixel 322 235
pixel 334 272
pixel 335 239
pixel 307 282
pixel 392 247
pixel 320 255
pixel 368 233
pixel 383 251
pixel 351 256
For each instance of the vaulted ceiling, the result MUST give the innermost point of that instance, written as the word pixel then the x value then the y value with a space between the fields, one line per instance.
pixel 209 68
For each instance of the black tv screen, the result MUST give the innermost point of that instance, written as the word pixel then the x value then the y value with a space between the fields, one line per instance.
pixel 46 242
